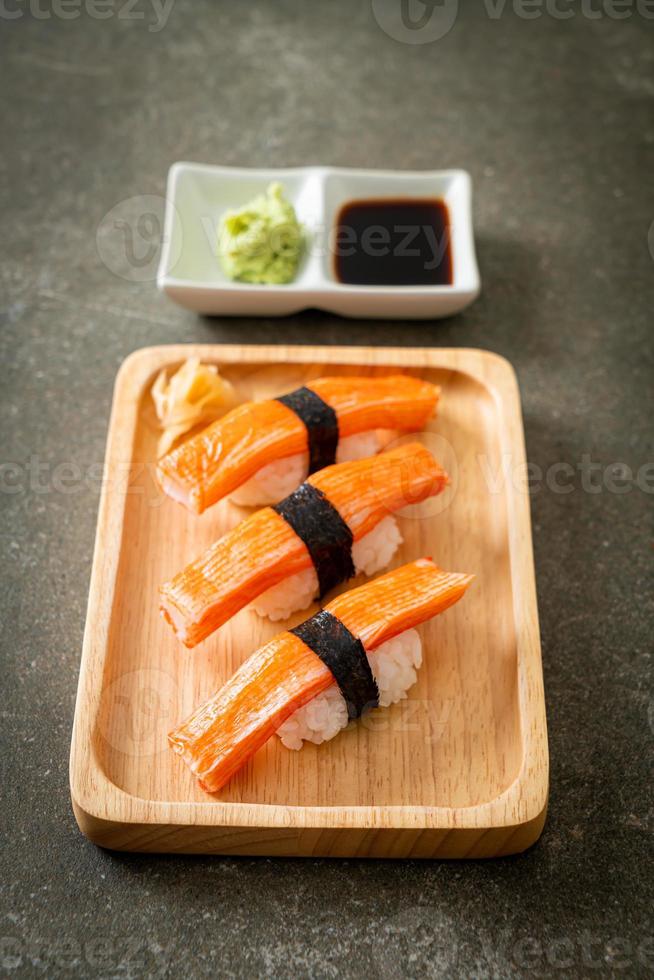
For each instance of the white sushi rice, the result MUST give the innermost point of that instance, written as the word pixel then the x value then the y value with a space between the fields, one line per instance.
pixel 294 593
pixel 375 550
pixel 394 665
pixel 370 554
pixel 276 480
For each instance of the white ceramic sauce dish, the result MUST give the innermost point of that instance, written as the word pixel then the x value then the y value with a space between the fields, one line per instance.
pixel 197 196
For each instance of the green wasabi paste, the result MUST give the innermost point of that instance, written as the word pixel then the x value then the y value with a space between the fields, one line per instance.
pixel 262 241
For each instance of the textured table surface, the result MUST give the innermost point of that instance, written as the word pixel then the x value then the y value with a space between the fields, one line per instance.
pixel 553 118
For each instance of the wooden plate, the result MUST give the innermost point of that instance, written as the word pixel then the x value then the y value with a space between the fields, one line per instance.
pixel 458 770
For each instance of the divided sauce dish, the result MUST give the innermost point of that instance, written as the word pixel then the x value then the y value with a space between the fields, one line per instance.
pixel 198 195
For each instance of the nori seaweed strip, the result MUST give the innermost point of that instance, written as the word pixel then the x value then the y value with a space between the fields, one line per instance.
pixel 321 424
pixel 345 656
pixel 326 535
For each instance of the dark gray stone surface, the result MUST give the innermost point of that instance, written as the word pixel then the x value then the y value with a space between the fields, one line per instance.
pixel 554 120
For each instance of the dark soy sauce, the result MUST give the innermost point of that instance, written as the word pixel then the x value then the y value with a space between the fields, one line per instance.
pixel 393 242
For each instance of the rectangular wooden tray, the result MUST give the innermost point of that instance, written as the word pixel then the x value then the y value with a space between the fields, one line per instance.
pixel 458 770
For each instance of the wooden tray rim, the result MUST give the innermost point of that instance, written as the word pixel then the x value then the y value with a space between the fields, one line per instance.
pixel 99 803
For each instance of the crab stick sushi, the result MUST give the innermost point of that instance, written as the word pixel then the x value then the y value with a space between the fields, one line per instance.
pixel 261 451
pixel 336 524
pixel 360 652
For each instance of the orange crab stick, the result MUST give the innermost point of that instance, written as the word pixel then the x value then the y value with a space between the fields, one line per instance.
pixel 263 550
pixel 219 459
pixel 222 734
